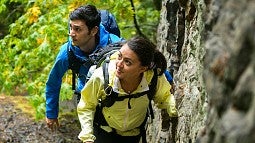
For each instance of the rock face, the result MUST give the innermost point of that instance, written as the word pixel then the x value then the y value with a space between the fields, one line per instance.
pixel 230 71
pixel 210 47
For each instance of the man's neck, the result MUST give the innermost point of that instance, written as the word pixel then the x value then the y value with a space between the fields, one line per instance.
pixel 89 46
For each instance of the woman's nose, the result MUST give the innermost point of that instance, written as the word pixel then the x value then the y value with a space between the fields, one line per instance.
pixel 119 63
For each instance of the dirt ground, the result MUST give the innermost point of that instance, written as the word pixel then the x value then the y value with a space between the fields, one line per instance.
pixel 18 126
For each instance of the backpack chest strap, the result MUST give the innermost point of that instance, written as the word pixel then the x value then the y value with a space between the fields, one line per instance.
pixel 110 99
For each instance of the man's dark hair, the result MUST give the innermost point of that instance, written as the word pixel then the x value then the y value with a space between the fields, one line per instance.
pixel 89 14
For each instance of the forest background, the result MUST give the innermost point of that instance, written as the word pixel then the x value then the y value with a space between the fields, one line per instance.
pixel 209 44
pixel 32 31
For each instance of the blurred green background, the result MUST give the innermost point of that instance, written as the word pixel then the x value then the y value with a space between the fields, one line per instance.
pixel 32 31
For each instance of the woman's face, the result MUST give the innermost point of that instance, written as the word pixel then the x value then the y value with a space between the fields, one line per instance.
pixel 128 66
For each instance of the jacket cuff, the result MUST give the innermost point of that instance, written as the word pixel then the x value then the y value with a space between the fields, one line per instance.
pixel 87 138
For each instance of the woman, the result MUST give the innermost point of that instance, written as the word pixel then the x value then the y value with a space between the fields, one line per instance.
pixel 130 73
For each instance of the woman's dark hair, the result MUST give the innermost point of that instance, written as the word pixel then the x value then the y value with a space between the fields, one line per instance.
pixel 89 14
pixel 148 54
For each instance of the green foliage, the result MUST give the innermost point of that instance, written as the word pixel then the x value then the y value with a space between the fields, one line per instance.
pixel 38 101
pixel 65 91
pixel 40 28
pixel 9 12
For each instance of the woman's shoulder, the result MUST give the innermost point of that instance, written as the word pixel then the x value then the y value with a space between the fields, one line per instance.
pixel 161 79
pixel 148 75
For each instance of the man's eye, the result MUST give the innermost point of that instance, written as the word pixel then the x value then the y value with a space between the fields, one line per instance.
pixel 74 28
pixel 77 29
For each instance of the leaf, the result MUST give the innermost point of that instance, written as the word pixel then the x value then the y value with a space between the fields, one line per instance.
pixel 33 14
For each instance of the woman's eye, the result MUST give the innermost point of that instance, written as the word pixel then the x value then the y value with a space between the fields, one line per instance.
pixel 119 57
pixel 128 63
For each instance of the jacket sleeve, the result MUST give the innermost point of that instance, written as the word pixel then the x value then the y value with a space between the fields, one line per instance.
pixel 54 82
pixel 163 97
pixel 87 106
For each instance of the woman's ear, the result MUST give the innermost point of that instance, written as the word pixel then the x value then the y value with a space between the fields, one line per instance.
pixel 144 68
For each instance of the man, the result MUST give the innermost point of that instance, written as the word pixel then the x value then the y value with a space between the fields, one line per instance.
pixel 87 35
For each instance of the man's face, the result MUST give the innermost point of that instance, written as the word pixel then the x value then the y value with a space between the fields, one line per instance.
pixel 79 33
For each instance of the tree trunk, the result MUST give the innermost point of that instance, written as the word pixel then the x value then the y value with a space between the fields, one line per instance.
pixel 210 46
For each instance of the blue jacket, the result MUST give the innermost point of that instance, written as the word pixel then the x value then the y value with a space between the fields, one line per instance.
pixel 53 84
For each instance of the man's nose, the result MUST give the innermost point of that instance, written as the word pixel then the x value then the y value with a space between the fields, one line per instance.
pixel 71 33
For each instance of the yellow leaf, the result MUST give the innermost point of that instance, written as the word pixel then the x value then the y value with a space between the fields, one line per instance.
pixel 33 14
pixel 39 41
pixel 76 4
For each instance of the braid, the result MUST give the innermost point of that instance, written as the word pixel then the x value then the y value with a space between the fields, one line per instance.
pixel 159 62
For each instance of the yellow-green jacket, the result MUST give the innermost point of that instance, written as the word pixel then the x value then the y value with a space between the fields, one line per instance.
pixel 125 121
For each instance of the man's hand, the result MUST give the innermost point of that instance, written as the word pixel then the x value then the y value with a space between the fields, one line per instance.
pixel 52 124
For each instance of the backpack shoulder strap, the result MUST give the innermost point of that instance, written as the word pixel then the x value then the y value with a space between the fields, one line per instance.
pixel 75 63
pixel 105 72
pixel 71 62
pixel 151 94
pixel 150 113
pixel 153 85
pixel 99 117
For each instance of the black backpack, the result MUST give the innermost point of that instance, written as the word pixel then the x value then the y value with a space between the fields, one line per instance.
pixel 109 22
pixel 94 59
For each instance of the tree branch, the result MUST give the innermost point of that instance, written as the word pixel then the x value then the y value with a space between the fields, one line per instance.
pixel 135 21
